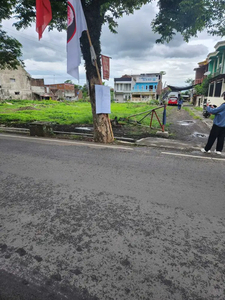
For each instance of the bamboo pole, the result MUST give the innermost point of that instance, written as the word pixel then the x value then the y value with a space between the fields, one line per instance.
pixel 96 65
pixel 150 110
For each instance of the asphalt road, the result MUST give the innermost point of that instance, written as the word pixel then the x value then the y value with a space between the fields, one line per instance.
pixel 86 221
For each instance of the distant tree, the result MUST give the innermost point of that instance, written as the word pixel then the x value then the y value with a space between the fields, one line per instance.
pixel 189 17
pixel 202 89
pixel 10 51
pixel 10 48
pixel 205 85
pixel 198 89
pixel 85 90
pixel 77 86
pixel 189 81
pixel 186 92
pixel 68 81
pixel 112 94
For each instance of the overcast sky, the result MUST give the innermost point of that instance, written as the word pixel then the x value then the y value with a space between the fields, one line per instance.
pixel 133 51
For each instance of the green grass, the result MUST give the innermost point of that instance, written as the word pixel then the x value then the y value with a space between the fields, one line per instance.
pixel 201 109
pixel 191 113
pixel 66 113
pixel 125 110
pixel 25 111
pixel 198 108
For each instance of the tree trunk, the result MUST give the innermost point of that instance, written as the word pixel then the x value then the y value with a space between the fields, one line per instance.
pixel 102 126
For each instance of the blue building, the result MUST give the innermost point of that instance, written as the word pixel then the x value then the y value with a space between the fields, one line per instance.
pixel 137 88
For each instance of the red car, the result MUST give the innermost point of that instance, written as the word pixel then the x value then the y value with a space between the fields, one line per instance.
pixel 173 101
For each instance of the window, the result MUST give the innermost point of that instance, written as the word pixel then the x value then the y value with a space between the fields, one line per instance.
pixel 211 89
pixel 17 93
pixel 150 87
pixel 12 79
pixel 218 89
pixel 127 87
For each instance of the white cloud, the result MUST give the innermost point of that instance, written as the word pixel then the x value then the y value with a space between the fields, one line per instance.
pixel 133 51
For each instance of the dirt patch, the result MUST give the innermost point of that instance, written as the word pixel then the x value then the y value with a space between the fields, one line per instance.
pixel 26 108
pixel 183 127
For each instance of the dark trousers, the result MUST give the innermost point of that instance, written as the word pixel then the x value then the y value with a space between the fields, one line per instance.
pixel 216 133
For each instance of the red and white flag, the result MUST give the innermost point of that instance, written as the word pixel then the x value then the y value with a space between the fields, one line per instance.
pixel 43 16
pixel 76 24
pixel 105 67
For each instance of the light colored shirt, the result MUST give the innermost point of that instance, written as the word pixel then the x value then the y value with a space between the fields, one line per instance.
pixel 219 113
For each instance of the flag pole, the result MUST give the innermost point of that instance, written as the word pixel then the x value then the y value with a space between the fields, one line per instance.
pixel 96 65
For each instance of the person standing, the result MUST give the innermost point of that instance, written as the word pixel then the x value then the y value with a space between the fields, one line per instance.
pixel 218 128
pixel 179 102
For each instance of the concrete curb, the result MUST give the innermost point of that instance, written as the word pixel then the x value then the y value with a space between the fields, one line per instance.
pixel 15 130
pixel 166 144
pixel 124 140
pixel 154 142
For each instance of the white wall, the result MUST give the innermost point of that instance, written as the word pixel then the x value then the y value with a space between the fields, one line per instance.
pixel 217 100
pixel 15 84
pixel 119 97
pixel 38 89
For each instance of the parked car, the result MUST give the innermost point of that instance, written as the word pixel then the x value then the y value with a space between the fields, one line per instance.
pixel 173 101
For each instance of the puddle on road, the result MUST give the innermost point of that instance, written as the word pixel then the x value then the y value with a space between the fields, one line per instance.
pixel 200 135
pixel 186 122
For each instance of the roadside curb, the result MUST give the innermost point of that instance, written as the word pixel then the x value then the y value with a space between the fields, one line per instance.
pixel 167 144
pixel 153 142
pixel 25 131
pixel 14 130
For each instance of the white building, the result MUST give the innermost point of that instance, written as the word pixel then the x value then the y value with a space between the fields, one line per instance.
pixel 137 88
pixel 123 88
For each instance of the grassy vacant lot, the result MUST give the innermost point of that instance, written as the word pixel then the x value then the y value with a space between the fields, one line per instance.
pixel 67 113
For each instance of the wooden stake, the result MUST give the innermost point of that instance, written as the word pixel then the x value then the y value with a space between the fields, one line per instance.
pixel 96 65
